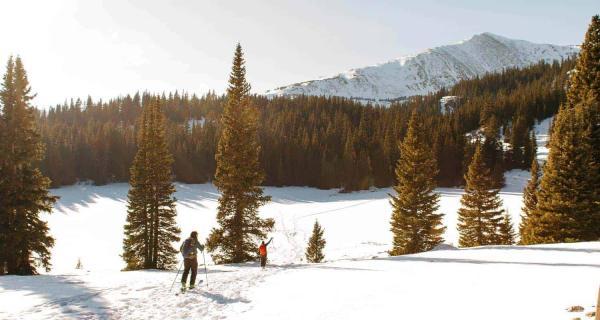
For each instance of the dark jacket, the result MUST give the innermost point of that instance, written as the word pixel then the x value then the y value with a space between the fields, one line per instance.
pixel 189 246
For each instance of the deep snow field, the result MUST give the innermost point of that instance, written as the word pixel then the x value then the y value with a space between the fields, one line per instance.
pixel 357 281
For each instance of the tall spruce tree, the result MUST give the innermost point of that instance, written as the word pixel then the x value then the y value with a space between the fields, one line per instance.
pixel 24 238
pixel 586 76
pixel 151 228
pixel 480 216
pixel 415 225
pixel 530 205
pixel 569 198
pixel 492 146
pixel 238 175
pixel 530 151
pixel 506 230
pixel 585 84
pixel 316 244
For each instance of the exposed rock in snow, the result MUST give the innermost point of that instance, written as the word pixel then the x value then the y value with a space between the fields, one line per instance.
pixel 448 104
pixel 431 70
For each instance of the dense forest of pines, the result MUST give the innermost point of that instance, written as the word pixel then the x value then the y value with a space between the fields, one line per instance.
pixel 310 141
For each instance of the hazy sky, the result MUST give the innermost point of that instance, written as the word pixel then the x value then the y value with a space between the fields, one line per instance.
pixel 108 48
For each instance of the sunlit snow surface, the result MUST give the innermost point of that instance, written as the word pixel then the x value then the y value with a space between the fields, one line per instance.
pixel 358 280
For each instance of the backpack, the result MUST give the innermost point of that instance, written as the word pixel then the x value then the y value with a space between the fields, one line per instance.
pixel 186 247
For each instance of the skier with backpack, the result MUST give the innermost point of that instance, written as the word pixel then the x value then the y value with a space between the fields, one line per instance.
pixel 188 250
pixel 262 251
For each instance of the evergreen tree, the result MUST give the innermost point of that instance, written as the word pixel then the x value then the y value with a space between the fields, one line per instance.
pixel 316 244
pixel 24 240
pixel 530 151
pixel 519 143
pixel 480 216
pixel 492 146
pixel 506 230
pixel 415 225
pixel 151 226
pixel 238 176
pixel 584 89
pixel 568 197
pixel 530 205
pixel 586 76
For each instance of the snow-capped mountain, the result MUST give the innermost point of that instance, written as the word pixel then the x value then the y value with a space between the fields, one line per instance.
pixel 431 70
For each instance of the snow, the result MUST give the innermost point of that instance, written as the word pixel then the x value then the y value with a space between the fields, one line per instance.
pixel 88 220
pixel 542 136
pixel 357 280
pixel 431 70
pixel 502 282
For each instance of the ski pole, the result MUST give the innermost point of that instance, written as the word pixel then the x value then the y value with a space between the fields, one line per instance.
pixel 172 284
pixel 205 272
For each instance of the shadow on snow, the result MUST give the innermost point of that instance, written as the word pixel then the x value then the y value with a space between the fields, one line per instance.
pixel 76 300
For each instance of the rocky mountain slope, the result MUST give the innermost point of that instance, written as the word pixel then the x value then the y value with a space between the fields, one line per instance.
pixel 431 70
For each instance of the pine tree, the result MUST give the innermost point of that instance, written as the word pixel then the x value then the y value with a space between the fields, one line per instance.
pixel 415 225
pixel 491 146
pixel 586 76
pixel 585 84
pixel 530 151
pixel 568 197
pixel 24 240
pixel 506 230
pixel 480 216
pixel 519 145
pixel 530 205
pixel 316 244
pixel 151 226
pixel 238 176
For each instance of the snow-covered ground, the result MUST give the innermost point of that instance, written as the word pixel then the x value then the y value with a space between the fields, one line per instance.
pixel 357 280
pixel 88 220
pixel 541 130
pixel 504 282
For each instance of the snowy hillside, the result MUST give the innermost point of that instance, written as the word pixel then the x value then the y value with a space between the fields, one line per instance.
pixel 431 70
pixel 358 279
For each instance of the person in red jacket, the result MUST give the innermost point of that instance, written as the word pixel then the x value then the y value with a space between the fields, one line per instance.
pixel 262 251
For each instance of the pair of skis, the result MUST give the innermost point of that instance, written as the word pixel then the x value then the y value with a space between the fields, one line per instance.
pixel 184 290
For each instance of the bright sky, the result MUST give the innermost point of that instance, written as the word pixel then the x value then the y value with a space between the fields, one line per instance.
pixel 109 48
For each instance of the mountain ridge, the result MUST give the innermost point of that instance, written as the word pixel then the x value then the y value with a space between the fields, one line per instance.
pixel 430 70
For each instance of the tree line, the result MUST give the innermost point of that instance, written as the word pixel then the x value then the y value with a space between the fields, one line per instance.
pixel 323 142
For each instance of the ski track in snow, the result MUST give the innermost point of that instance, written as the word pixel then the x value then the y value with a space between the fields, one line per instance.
pixel 132 295
pixel 357 281
pixel 494 282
